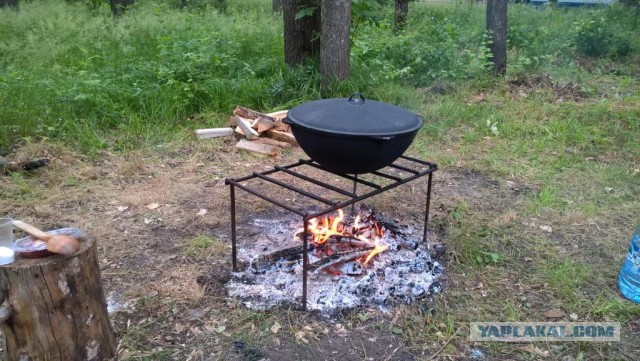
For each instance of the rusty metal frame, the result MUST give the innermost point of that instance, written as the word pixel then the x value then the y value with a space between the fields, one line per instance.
pixel 331 205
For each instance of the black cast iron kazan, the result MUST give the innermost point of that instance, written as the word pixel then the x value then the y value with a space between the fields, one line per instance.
pixel 353 136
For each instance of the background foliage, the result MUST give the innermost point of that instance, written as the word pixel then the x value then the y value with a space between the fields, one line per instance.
pixel 68 70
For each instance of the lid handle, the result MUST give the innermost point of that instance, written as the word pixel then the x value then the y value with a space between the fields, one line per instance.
pixel 356 101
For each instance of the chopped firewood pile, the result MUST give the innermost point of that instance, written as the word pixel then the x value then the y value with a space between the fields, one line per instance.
pixel 259 133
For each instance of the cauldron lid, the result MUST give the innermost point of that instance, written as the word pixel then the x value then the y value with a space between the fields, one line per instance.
pixel 354 116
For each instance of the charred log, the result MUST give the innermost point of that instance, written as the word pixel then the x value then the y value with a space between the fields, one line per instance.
pixel 8 167
pixel 338 258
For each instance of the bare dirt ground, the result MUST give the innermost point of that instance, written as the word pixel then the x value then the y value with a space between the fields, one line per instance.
pixel 161 219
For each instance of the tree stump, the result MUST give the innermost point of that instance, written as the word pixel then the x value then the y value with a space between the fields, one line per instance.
pixel 53 308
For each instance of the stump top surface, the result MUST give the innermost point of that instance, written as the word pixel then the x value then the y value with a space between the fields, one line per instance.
pixel 20 262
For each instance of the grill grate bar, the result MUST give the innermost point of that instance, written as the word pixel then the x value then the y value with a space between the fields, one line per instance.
pixel 404 169
pixel 388 176
pixel 314 181
pixel 346 176
pixel 295 189
pixel 270 171
pixel 406 157
pixel 266 198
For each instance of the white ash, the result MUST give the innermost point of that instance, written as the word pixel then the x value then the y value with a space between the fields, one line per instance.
pixel 404 273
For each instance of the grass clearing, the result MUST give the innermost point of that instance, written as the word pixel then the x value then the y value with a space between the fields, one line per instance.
pixel 567 277
pixel 204 247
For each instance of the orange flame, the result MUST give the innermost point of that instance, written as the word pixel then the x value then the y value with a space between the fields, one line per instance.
pixel 356 222
pixel 322 229
pixel 379 249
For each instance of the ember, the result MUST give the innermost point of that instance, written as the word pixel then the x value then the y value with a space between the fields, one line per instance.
pixel 332 264
pixel 350 264
pixel 337 243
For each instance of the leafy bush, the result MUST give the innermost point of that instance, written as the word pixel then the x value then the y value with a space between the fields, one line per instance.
pixel 433 47
pixel 596 37
pixel 630 3
pixel 220 5
pixel 67 71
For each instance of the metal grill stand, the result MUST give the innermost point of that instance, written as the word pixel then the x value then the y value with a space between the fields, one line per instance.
pixel 413 168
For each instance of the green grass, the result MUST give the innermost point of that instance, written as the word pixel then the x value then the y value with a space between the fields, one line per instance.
pixel 203 247
pixel 68 72
pixel 566 277
pixel 611 306
pixel 475 243
pixel 25 191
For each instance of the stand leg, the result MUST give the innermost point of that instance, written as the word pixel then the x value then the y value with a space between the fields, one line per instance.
pixel 305 262
pixel 426 212
pixel 355 186
pixel 234 262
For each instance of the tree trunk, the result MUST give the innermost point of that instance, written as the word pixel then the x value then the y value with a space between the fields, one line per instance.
pixel 9 3
pixel 334 44
pixel 119 6
pixel 301 37
pixel 276 6
pixel 53 308
pixel 221 6
pixel 497 29
pixel 402 10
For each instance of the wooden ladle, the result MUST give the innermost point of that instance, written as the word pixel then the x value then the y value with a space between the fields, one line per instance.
pixel 56 243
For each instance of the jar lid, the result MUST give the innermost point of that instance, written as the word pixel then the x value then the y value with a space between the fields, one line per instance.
pixel 7 255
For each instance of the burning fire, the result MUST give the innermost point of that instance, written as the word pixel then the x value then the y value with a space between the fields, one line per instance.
pixel 325 228
pixel 321 230
pixel 379 249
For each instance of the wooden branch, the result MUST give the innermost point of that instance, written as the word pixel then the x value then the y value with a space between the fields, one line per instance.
pixel 6 167
pixel 251 114
pixel 245 125
pixel 259 148
pixel 353 241
pixel 338 258
pixel 286 253
pixel 345 239
pixel 266 261
pixel 282 136
pixel 213 133
pixel 273 142
pixel 435 355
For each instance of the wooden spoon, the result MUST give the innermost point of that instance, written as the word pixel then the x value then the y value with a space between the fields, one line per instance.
pixel 56 243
